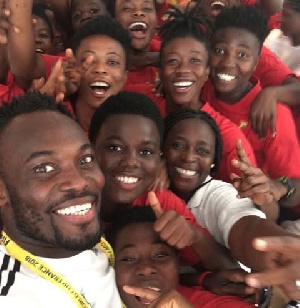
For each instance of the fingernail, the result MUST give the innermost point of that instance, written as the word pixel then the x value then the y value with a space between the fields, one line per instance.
pixel 274 135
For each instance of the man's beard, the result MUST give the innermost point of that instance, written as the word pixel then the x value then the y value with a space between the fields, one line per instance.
pixel 27 221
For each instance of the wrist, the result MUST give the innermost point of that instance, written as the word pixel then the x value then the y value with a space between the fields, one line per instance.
pixel 202 277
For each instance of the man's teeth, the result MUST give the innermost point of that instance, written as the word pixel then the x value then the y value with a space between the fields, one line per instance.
pixel 226 77
pixel 127 179
pixel 183 84
pixel 39 50
pixel 186 172
pixel 217 3
pixel 138 25
pixel 75 209
pixel 101 84
pixel 153 288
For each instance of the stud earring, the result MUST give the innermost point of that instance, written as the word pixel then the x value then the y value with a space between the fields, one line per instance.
pixel 212 166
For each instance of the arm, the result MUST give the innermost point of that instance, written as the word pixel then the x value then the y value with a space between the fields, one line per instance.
pixel 243 233
pixel 25 64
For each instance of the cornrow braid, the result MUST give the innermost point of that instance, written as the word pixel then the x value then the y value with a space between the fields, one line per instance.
pixel 173 118
pixel 192 22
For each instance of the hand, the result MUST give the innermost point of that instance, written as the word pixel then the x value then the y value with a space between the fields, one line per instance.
pixel 171 227
pixel 168 299
pixel 286 270
pixel 73 73
pixel 5 24
pixel 253 183
pixel 229 282
pixel 263 112
pixel 55 85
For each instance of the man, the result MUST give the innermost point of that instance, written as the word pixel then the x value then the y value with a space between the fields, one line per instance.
pixel 50 187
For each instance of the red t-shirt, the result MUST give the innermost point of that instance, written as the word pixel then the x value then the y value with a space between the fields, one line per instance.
pixel 229 131
pixel 270 70
pixel 200 298
pixel 276 156
pixel 144 75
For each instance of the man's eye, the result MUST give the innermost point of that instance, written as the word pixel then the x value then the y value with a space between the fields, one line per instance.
pixel 161 254
pixel 94 11
pixel 242 55
pixel 128 259
pixel 113 62
pixel 76 17
pixel 177 146
pixel 115 148
pixel 146 152
pixel 172 61
pixel 86 160
pixel 219 51
pixel 44 168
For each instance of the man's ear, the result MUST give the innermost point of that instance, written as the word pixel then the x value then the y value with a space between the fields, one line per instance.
pixel 4 197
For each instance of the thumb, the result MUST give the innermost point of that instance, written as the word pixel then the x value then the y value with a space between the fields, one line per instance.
pixel 154 203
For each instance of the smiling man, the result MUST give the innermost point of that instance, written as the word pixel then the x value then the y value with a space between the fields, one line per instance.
pixel 50 189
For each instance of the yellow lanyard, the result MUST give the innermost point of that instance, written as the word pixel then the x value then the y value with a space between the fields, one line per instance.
pixel 45 271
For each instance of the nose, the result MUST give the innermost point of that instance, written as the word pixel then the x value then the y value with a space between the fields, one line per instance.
pixel 138 13
pixel 100 67
pixel 146 268
pixel 228 60
pixel 73 179
pixel 183 67
pixel 130 159
pixel 188 155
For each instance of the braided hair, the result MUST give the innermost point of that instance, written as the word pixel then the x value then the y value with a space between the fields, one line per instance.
pixel 191 22
pixel 293 5
pixel 183 114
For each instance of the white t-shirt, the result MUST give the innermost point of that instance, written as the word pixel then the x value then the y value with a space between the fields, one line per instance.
pixel 217 208
pixel 282 46
pixel 89 272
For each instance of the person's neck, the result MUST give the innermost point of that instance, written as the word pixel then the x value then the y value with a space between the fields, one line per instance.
pixel 186 196
pixel 109 209
pixel 172 106
pixel 296 40
pixel 236 95
pixel 39 248
pixel 84 113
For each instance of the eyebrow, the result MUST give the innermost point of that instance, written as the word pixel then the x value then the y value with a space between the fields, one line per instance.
pixel 225 42
pixel 117 138
pixel 38 154
pixel 157 242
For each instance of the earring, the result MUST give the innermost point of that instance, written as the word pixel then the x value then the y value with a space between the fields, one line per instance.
pixel 212 166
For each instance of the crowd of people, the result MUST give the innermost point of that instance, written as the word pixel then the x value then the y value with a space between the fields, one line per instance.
pixel 149 153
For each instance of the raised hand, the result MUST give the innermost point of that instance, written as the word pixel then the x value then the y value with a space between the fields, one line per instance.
pixel 171 227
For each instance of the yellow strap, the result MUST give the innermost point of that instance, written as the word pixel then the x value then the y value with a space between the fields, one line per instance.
pixel 45 271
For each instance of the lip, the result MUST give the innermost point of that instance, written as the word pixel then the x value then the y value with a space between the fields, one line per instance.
pixel 85 217
pixel 185 88
pixel 216 7
pixel 101 87
pixel 138 34
pixel 126 181
pixel 39 50
pixel 186 173
pixel 224 78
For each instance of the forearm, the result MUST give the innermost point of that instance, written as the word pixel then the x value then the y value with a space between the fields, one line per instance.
pixel 212 255
pixel 279 191
pixel 4 67
pixel 288 92
pixel 243 233
pixel 271 210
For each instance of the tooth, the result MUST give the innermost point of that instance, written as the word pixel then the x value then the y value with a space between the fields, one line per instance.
pixel 127 179
pixel 99 84
pixel 75 209
pixel 226 77
pixel 183 83
pixel 186 172
pixel 137 24
pixel 217 3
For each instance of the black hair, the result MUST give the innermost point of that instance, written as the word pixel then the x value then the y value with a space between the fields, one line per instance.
pixel 39 10
pixel 29 103
pixel 73 2
pixel 191 22
pixel 293 5
pixel 244 17
pixel 106 26
pixel 183 114
pixel 111 7
pixel 135 214
pixel 126 103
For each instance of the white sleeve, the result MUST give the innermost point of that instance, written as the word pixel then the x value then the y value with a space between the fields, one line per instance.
pixel 217 208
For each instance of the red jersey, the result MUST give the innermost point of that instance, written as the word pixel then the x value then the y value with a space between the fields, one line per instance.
pixel 276 156
pixel 201 298
pixel 143 75
pixel 229 131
